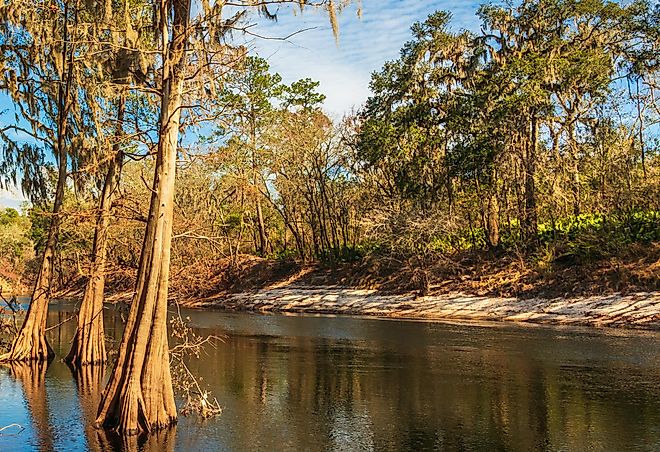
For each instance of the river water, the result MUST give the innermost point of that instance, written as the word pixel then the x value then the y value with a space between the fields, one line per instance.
pixel 348 384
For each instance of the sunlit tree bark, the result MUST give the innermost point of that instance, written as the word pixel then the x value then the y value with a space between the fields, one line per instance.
pixel 139 396
pixel 31 343
pixel 88 345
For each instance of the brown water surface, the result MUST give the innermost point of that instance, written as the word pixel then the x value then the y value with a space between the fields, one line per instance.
pixel 346 384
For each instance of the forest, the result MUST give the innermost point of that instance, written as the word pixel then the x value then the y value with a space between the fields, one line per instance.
pixel 167 161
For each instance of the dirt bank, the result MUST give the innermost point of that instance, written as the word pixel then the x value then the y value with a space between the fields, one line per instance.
pixel 621 292
pixel 636 310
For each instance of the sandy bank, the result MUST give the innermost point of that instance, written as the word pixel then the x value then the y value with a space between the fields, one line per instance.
pixel 638 310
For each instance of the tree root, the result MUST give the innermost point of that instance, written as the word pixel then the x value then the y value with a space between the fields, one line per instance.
pixel 29 347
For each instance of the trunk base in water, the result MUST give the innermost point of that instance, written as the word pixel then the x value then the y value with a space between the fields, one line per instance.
pixel 139 396
pixel 31 343
pixel 29 347
pixel 86 351
pixel 129 414
pixel 88 347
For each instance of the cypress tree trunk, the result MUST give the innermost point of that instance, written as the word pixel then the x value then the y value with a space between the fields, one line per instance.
pixel 531 217
pixel 88 345
pixel 30 343
pixel 139 395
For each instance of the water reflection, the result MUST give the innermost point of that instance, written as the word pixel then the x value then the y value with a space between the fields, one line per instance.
pixel 307 383
pixel 409 386
pixel 90 381
pixel 89 384
pixel 161 441
pixel 32 378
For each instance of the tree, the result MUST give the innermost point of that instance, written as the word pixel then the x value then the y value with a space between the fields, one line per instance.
pixel 248 95
pixel 484 113
pixel 139 395
pixel 262 119
pixel 312 182
pixel 41 43
pixel 88 345
pixel 122 71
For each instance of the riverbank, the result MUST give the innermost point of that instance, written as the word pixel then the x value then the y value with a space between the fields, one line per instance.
pixel 637 310
pixel 621 292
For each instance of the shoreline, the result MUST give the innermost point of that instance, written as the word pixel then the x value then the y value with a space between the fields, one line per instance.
pixel 639 310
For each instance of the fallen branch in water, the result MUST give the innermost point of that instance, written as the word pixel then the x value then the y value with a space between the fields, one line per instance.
pixel 11 303
pixel 9 426
pixel 191 345
pixel 203 404
pixel 61 323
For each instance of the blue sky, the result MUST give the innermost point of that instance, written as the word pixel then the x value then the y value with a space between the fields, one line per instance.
pixel 364 45
pixel 343 69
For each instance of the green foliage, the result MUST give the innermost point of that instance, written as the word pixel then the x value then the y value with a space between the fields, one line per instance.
pixel 285 254
pixel 584 237
pixel 231 223
pixel 39 225
pixel 15 243
pixel 302 94
pixel 8 216
pixel 595 236
pixel 638 226
pixel 495 134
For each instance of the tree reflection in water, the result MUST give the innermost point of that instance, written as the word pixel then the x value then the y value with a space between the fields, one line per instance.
pixel 354 384
pixel 32 377
pixel 90 384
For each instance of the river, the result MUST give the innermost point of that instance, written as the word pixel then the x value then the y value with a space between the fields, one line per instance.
pixel 326 383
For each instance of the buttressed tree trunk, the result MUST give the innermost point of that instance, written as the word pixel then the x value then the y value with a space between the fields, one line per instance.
pixel 139 396
pixel 88 345
pixel 30 343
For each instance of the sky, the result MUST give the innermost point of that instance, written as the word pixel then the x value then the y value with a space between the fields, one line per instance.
pixel 11 198
pixel 343 68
